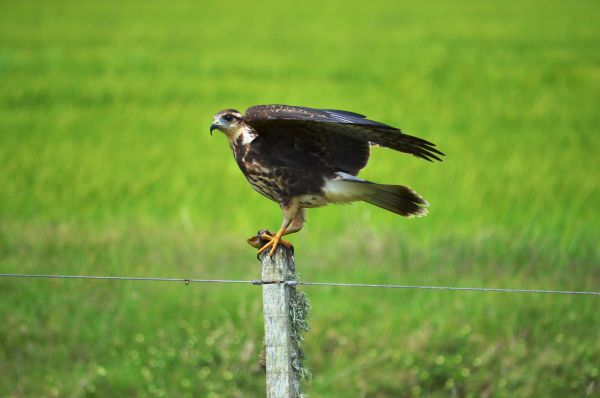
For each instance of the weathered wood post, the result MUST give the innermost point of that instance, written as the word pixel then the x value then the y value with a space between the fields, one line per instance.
pixel 285 318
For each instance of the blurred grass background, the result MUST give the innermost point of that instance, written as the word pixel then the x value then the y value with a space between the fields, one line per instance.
pixel 107 168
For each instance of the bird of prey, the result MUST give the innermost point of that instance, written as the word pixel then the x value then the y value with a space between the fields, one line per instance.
pixel 302 157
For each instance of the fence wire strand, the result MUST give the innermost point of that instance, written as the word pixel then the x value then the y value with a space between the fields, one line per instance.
pixel 124 278
pixel 294 283
pixel 475 289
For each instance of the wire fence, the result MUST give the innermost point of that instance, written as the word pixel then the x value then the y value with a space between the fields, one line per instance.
pixel 187 281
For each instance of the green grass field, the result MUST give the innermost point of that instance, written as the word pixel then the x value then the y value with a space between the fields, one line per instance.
pixel 107 168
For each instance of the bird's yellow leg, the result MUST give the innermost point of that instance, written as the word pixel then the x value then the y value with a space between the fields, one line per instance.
pixel 274 242
pixel 293 218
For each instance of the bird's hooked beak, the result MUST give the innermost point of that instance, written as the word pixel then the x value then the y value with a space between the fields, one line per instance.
pixel 213 127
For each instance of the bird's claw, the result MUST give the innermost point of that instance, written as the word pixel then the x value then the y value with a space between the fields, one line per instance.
pixel 272 241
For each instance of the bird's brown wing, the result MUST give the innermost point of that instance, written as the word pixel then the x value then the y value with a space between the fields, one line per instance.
pixel 306 144
pixel 330 122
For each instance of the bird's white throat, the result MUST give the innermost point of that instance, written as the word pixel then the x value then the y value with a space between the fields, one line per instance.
pixel 243 135
pixel 248 136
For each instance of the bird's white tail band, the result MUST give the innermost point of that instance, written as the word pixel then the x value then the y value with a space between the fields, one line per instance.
pixel 395 198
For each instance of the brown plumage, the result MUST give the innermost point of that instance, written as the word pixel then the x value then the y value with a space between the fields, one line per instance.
pixel 302 157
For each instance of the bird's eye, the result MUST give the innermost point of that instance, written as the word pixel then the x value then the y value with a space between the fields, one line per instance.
pixel 228 118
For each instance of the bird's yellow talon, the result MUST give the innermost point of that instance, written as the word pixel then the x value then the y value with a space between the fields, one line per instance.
pixel 265 247
pixel 272 251
pixel 274 242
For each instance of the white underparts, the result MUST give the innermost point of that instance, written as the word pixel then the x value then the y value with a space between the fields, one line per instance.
pixel 343 188
pixel 311 201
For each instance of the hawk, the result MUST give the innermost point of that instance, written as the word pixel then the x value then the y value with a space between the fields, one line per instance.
pixel 302 157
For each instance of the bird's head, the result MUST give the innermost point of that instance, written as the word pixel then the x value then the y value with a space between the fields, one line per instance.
pixel 227 121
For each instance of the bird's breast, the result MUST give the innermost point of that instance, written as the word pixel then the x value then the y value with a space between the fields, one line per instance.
pixel 253 166
pixel 280 174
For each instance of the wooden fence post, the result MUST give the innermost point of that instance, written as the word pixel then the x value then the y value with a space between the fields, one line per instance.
pixel 281 347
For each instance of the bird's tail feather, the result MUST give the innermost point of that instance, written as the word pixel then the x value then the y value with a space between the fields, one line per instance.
pixel 395 198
